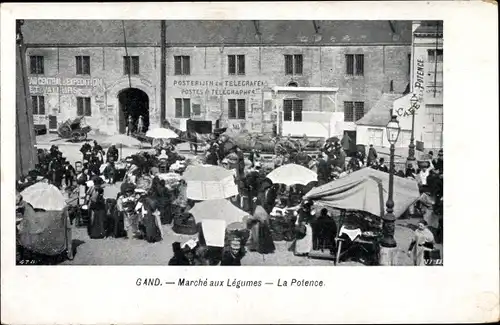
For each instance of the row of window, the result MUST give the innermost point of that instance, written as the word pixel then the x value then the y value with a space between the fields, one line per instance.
pixel 182 65
pixel 376 137
pixel 292 108
pixel 355 64
pixel 83 107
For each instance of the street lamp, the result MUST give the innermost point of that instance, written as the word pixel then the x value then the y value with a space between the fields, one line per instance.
pixel 411 147
pixel 393 130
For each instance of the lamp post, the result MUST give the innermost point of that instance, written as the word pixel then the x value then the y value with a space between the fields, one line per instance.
pixel 388 241
pixel 411 147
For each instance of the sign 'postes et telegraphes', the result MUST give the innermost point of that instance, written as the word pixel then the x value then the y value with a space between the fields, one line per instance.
pixel 219 87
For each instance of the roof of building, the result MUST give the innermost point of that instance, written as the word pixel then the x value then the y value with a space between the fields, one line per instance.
pixel 379 114
pixel 227 32
pixel 90 31
pixel 429 30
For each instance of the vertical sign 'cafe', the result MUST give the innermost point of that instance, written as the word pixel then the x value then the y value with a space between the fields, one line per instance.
pixel 413 103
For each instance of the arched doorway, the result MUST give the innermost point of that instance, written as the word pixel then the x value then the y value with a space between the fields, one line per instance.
pixel 133 102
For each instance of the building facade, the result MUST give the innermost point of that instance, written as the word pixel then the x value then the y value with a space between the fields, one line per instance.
pixel 298 77
pixel 425 98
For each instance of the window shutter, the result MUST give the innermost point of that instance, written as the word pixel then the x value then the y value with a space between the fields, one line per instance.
pixel 178 107
pixel 288 64
pixel 41 105
pixel 40 65
pixel 349 59
pixel 79 106
pixel 360 64
pixel 187 108
pixel 231 64
pixel 241 109
pixel 241 64
pixel 439 56
pixel 86 64
pixel 297 110
pixel 78 60
pixel 177 65
pixel 88 107
pixel 135 65
pixel 126 65
pixel 287 110
pixel 186 66
pixel 298 64
pixel 34 105
pixel 231 108
pixel 33 64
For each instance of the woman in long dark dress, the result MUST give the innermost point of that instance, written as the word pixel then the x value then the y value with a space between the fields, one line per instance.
pixel 162 198
pixel 151 221
pixel 261 239
pixel 97 207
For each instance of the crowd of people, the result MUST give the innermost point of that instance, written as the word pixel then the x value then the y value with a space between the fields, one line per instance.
pixel 146 200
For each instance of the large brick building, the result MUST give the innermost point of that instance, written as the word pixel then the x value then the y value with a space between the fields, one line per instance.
pixel 314 77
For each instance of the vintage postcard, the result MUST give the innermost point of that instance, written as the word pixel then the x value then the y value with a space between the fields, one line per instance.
pixel 293 140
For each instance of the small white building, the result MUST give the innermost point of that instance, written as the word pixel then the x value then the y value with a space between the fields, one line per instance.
pixel 424 97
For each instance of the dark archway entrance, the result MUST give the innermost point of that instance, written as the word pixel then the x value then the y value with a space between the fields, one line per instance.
pixel 133 102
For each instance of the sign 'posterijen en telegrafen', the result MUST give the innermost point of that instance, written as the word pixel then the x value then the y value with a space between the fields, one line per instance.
pixel 220 87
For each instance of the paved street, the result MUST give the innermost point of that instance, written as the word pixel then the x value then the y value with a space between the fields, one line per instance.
pixel 119 251
pixel 112 251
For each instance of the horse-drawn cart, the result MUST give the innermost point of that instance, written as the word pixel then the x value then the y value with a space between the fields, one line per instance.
pixel 75 129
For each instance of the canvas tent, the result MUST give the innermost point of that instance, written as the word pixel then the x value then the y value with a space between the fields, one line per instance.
pixel 366 190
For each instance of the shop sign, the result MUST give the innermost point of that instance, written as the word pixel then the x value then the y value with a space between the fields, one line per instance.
pixel 219 88
pixel 416 98
pixel 57 85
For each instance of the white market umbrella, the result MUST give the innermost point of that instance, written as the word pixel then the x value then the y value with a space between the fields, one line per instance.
pixel 161 133
pixel 44 196
pixel 292 174
pixel 219 209
pixel 207 182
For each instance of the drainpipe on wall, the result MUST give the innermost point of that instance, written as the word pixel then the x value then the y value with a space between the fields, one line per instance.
pixel 163 73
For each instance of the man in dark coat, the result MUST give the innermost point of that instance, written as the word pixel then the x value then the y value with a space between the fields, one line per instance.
pixel 56 172
pixel 241 162
pixel 372 155
pixel 130 128
pixel 112 154
pixel 254 156
pixel 252 183
pixel 410 171
pixel 438 163
pixel 382 167
pixel 69 174
pixel 86 150
pixel 324 170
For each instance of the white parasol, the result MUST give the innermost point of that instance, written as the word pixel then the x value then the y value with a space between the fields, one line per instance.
pixel 292 174
pixel 161 133
pixel 44 196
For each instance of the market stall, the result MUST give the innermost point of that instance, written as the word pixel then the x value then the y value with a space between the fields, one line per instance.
pixel 366 191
